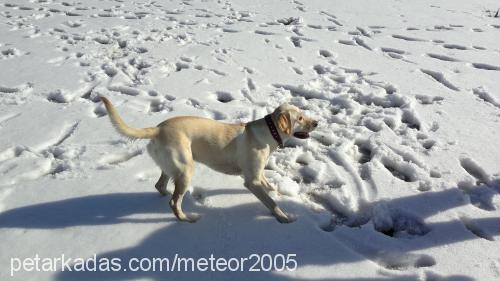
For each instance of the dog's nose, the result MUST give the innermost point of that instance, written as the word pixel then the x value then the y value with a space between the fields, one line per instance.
pixel 315 123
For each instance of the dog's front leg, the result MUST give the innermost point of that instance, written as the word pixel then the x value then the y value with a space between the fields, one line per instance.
pixel 268 186
pixel 257 188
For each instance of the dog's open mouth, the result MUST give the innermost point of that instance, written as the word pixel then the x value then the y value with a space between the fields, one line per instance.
pixel 301 135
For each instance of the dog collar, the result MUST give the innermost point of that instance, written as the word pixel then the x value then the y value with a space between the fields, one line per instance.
pixel 273 130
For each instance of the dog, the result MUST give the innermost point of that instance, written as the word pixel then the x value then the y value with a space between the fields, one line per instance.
pixel 235 149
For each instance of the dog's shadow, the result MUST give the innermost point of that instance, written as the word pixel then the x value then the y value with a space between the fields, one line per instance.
pixel 101 209
pixel 232 232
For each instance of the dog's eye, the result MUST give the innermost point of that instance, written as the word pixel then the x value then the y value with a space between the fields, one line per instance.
pixel 300 118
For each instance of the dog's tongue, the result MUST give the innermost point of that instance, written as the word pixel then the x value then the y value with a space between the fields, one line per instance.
pixel 301 135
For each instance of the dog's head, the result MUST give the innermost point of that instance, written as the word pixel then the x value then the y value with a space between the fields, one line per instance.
pixel 292 122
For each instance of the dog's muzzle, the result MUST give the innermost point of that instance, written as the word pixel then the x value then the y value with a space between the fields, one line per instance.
pixel 305 135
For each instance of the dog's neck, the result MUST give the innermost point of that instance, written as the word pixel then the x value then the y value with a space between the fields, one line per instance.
pixel 273 130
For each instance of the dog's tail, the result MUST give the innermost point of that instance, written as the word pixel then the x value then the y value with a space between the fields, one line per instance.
pixel 124 129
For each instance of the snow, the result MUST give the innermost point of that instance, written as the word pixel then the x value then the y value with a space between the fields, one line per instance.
pixel 400 181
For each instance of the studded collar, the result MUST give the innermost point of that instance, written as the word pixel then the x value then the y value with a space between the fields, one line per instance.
pixel 273 130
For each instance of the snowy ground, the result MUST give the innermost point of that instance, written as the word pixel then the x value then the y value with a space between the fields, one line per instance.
pixel 401 181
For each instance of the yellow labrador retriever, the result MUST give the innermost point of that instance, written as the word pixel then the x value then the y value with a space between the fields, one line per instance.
pixel 236 149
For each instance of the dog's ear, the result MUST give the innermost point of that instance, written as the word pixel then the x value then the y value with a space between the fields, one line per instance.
pixel 285 122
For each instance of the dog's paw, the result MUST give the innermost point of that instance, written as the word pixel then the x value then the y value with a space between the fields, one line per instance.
pixel 286 219
pixel 191 218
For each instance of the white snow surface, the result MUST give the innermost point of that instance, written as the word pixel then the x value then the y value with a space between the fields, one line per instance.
pixel 400 181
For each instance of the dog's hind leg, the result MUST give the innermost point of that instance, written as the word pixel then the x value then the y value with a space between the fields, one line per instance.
pixel 181 166
pixel 161 184
pixel 158 153
pixel 182 182
pixel 176 161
